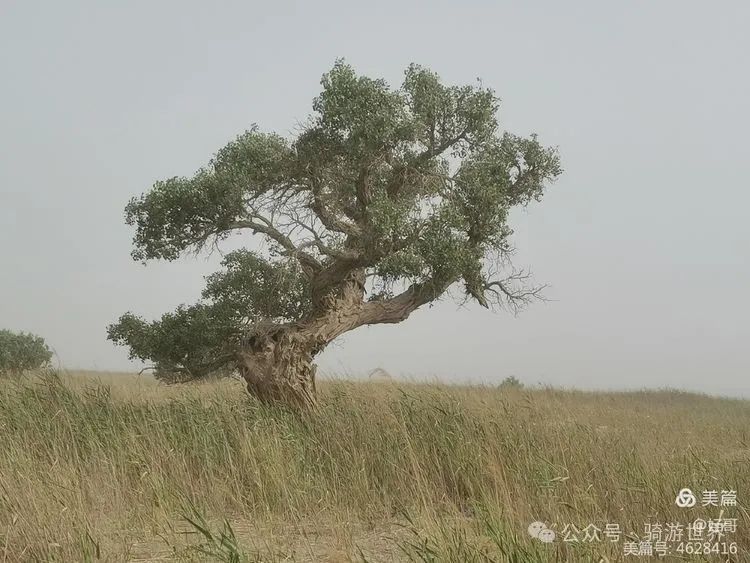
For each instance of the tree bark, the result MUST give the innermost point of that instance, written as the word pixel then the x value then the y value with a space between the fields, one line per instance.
pixel 278 368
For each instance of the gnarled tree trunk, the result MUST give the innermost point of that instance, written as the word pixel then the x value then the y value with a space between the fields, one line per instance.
pixel 276 361
pixel 278 367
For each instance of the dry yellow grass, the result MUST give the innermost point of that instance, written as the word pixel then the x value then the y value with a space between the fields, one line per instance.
pixel 115 467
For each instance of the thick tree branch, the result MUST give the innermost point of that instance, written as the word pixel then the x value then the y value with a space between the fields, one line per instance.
pixel 398 308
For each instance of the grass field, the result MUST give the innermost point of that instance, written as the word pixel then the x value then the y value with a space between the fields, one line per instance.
pixel 118 468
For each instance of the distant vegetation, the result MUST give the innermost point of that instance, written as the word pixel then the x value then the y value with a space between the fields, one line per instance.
pixel 135 471
pixel 21 352
pixel 511 382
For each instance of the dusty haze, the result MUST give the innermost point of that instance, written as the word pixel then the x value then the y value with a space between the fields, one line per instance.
pixel 644 240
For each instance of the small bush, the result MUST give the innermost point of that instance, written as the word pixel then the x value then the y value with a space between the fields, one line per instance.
pixel 21 352
pixel 511 382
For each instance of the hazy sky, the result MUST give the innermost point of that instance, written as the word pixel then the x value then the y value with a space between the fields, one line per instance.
pixel 644 240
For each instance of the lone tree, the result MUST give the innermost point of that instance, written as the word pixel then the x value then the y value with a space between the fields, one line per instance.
pixel 384 200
